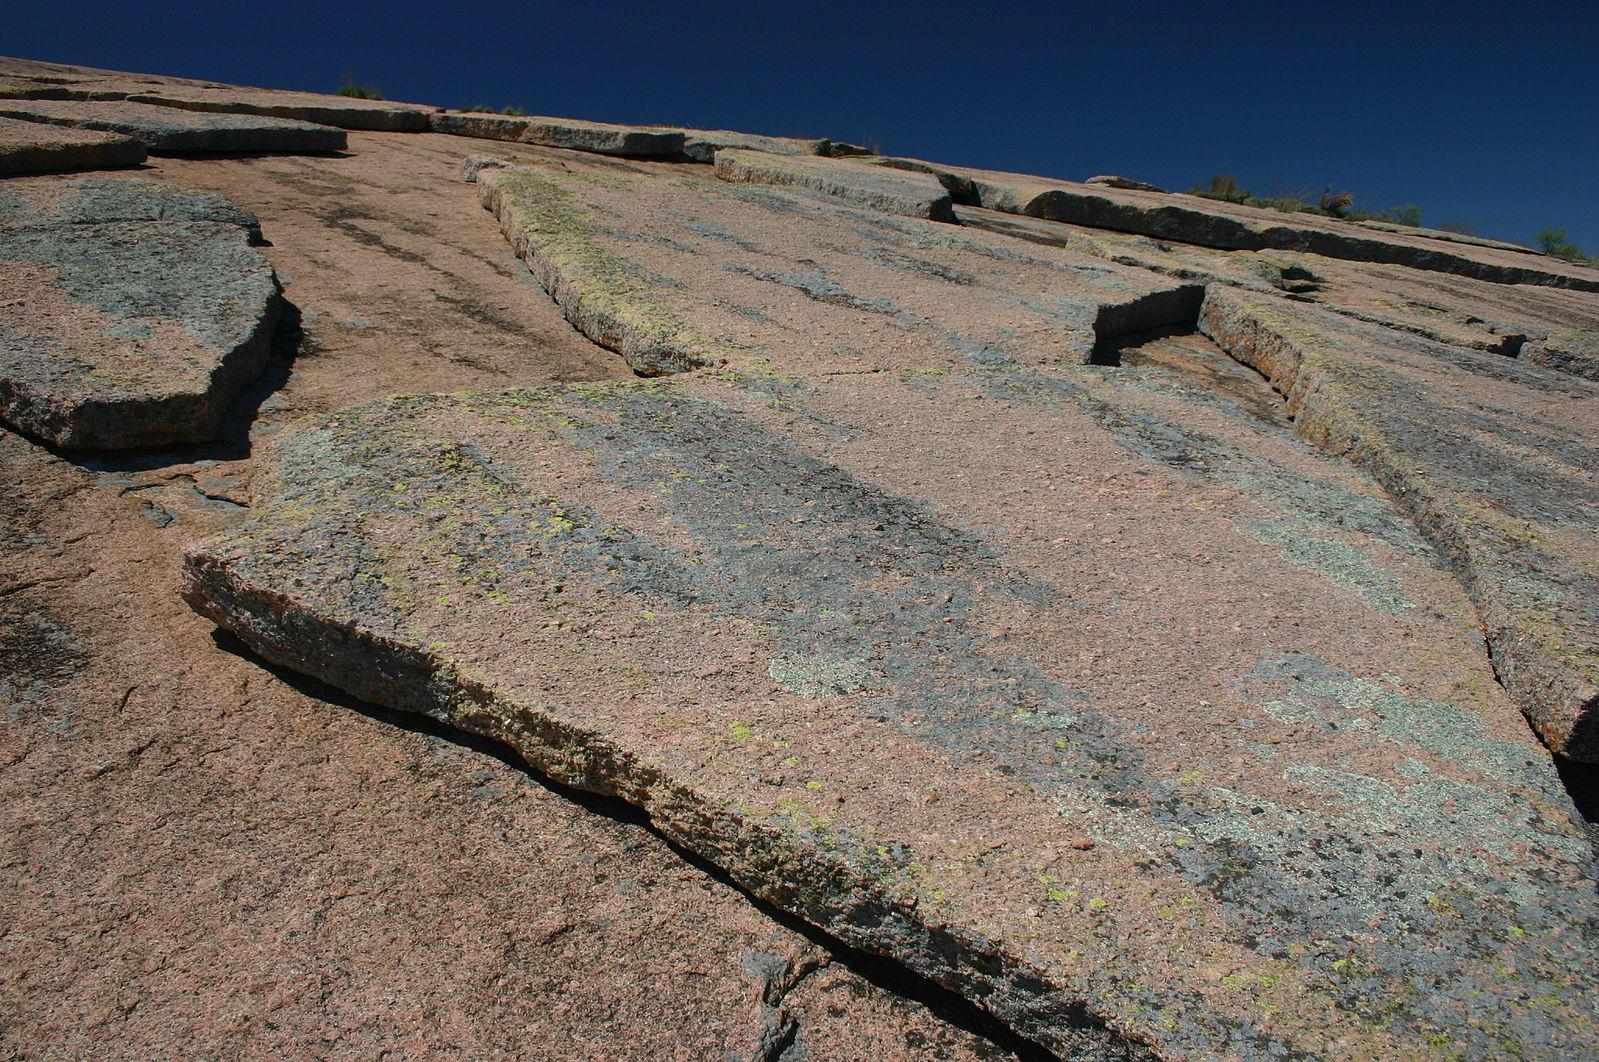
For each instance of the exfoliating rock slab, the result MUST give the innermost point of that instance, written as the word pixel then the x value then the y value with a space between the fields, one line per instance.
pixel 97 200
pixel 127 333
pixel 29 147
pixel 1011 674
pixel 1080 690
pixel 174 131
pixel 903 192
pixel 341 111
pixel 690 271
pixel 1231 226
pixel 1495 459
pixel 1543 325
pixel 570 133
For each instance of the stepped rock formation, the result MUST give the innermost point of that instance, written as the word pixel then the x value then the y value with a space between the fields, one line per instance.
pixel 133 316
pixel 1092 622
pixel 173 130
pixel 28 147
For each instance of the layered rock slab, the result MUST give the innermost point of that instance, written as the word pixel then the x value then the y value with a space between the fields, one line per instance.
pixel 176 131
pixel 1231 226
pixel 865 642
pixel 1494 458
pixel 124 326
pixel 98 200
pixel 344 112
pixel 600 138
pixel 1539 324
pixel 29 147
pixel 925 552
pixel 684 271
pixel 912 195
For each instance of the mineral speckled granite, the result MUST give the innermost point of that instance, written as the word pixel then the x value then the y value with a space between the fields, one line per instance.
pixel 29 147
pixel 912 194
pixel 1089 691
pixel 131 317
pixel 678 271
pixel 1496 460
pixel 97 200
pixel 169 129
pixel 598 137
pixel 1231 226
pixel 341 111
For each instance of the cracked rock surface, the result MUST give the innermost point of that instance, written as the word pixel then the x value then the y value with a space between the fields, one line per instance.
pixel 1097 624
pixel 132 317
pixel 955 581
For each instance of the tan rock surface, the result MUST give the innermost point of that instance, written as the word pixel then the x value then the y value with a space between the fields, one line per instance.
pixel 29 147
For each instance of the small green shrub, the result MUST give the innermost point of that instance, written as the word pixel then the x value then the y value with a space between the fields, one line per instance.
pixel 1225 187
pixel 1554 242
pixel 1335 203
pixel 1408 214
pixel 357 92
pixel 514 111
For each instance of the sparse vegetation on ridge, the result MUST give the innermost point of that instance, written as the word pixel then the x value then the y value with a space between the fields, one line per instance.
pixel 356 91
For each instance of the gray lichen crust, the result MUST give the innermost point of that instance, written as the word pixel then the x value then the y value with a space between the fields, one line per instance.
pixel 31 147
pixel 1344 869
pixel 173 130
pixel 136 331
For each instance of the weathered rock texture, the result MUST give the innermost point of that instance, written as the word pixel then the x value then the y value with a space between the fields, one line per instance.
pixel 1112 181
pixel 574 135
pixel 613 247
pixel 1230 226
pixel 1495 461
pixel 29 147
pixel 341 111
pixel 897 193
pixel 120 329
pixel 1011 673
pixel 170 130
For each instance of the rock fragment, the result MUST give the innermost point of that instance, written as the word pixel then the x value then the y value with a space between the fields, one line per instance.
pixel 1111 181
pixel 29 147
pixel 569 133
pixel 340 111
pixel 99 200
pixel 1575 351
pixel 908 194
pixel 125 333
pixel 1230 226
pixel 170 130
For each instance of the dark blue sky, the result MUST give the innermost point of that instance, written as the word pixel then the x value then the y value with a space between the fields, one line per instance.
pixel 1484 112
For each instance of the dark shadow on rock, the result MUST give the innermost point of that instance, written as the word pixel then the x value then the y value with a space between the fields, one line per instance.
pixel 1582 782
pixel 289 343
pixel 880 971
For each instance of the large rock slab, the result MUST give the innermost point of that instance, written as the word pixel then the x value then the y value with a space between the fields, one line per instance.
pixel 701 145
pixel 1230 226
pixel 912 195
pixel 1090 692
pixel 28 147
pixel 689 271
pixel 342 111
pixel 123 333
pixel 1007 673
pixel 97 200
pixel 573 134
pixel 174 131
pixel 1574 350
pixel 1540 324
pixel 1494 458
